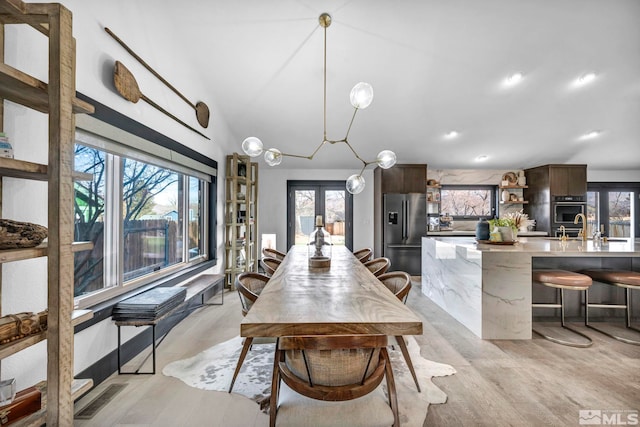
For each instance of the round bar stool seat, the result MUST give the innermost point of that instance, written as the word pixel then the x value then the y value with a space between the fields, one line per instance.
pixel 562 280
pixel 626 279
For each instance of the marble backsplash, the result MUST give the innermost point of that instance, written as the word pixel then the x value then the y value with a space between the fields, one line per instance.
pixel 473 177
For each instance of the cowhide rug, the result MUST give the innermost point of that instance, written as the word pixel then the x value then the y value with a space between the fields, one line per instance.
pixel 213 369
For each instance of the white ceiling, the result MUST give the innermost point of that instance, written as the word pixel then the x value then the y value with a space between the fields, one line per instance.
pixel 435 66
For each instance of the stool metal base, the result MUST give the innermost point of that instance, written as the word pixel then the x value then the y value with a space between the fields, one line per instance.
pixel 560 293
pixel 625 306
pixel 567 343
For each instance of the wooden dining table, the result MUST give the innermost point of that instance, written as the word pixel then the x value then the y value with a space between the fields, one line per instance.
pixel 343 299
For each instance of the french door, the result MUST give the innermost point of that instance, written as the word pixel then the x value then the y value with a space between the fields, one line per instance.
pixel 308 199
pixel 614 208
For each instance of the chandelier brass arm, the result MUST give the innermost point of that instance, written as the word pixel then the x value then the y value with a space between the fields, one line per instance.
pixel 361 96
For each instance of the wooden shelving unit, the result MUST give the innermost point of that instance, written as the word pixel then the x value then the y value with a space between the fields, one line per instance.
pixel 241 217
pixel 57 99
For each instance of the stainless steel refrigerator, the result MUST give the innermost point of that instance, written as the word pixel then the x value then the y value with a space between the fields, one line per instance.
pixel 405 222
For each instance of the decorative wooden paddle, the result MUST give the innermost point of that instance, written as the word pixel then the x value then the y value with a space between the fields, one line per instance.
pixel 127 86
pixel 202 111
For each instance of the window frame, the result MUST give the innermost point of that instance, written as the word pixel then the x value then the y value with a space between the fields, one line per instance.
pixel 493 190
pixel 603 188
pixel 105 123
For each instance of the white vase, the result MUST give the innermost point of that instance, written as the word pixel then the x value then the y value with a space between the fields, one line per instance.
pixel 505 195
pixel 507 233
pixel 522 181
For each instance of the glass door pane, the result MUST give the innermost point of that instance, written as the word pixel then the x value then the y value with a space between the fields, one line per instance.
pixel 620 210
pixel 593 209
pixel 334 215
pixel 304 215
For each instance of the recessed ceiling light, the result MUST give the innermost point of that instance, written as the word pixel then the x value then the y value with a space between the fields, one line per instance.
pixel 481 158
pixel 451 134
pixel 513 79
pixel 590 135
pixel 585 79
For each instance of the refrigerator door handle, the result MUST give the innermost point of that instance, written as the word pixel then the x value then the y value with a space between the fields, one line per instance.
pixel 405 220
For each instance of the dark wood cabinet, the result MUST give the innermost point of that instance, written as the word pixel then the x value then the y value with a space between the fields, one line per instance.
pixel 547 182
pixel 568 180
pixel 403 179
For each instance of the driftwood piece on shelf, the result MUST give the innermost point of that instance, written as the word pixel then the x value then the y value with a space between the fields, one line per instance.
pixel 16 326
pixel 16 234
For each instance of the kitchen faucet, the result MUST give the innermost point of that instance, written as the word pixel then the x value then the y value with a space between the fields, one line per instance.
pixel 583 231
pixel 564 236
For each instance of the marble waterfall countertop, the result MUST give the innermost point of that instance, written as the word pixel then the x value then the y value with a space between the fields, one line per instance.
pixel 472 233
pixel 488 288
pixel 552 246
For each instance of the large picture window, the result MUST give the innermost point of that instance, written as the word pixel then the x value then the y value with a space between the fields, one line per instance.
pixel 468 201
pixel 143 217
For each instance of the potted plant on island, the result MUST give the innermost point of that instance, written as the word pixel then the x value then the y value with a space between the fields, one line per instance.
pixel 507 228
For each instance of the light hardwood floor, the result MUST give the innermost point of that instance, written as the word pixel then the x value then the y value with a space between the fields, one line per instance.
pixel 498 383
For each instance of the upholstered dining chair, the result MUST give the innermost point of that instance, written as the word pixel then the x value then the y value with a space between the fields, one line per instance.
pixel 249 286
pixel 269 265
pixel 363 254
pixel 399 283
pixel 320 380
pixel 273 253
pixel 378 266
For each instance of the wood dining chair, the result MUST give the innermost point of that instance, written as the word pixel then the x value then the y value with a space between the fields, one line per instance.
pixel 363 254
pixel 399 283
pixel 273 253
pixel 269 265
pixel 378 266
pixel 249 286
pixel 320 380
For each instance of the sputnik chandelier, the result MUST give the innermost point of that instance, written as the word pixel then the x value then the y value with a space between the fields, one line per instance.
pixel 361 97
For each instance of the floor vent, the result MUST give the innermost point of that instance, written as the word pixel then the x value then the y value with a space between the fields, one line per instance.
pixel 99 402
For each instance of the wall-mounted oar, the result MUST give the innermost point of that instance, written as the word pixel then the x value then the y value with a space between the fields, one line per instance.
pixel 127 86
pixel 202 111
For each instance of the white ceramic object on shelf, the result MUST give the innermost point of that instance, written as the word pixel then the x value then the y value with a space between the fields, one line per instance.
pixel 505 195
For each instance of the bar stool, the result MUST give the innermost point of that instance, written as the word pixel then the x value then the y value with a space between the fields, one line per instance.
pixel 621 278
pixel 561 280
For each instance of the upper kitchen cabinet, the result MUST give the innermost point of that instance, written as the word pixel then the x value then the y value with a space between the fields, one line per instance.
pixel 401 179
pixel 558 180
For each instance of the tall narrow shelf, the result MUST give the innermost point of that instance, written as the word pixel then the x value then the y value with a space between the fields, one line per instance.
pixel 241 217
pixel 57 99
pixel 433 207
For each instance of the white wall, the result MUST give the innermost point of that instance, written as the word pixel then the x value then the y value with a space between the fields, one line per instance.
pixel 613 175
pixel 272 201
pixel 24 283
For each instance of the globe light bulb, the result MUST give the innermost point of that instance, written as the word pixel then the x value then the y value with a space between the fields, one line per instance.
pixel 273 157
pixel 361 95
pixel 386 159
pixel 355 184
pixel 252 146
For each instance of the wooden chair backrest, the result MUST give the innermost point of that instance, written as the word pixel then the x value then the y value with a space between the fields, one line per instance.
pixel 273 253
pixel 397 282
pixel 378 266
pixel 270 265
pixel 364 254
pixel 333 368
pixel 249 286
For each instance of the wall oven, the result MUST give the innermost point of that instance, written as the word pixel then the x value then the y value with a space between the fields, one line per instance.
pixel 565 208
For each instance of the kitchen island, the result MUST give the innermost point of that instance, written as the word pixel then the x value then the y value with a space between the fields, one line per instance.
pixel 488 288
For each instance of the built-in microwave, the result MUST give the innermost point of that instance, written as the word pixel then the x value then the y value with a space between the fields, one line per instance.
pixel 565 212
pixel 565 208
